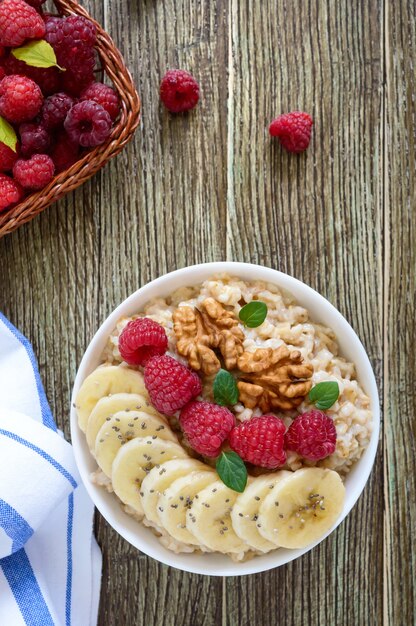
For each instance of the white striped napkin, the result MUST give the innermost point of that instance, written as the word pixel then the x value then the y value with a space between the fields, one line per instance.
pixel 50 563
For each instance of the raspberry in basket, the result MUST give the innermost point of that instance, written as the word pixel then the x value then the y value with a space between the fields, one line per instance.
pixel 293 130
pixel 65 152
pixel 20 99
pixel 141 339
pixel 34 139
pixel 47 78
pixel 34 173
pixel 103 95
pixel 7 158
pixel 88 124
pixel 73 39
pixel 10 192
pixel 312 435
pixel 179 91
pixel 55 109
pixel 206 426
pixel 170 384
pixel 19 22
pixel 260 441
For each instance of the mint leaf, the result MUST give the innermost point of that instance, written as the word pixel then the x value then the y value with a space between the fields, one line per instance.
pixel 253 314
pixel 7 134
pixel 232 471
pixel 37 54
pixel 324 395
pixel 225 389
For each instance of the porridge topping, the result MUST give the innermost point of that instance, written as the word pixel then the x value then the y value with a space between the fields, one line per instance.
pixel 260 441
pixel 141 339
pixel 312 435
pixel 206 426
pixel 170 384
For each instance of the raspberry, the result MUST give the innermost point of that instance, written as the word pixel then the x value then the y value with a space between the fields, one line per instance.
pixel 312 435
pixel 36 4
pixel 7 158
pixel 105 96
pixel 34 139
pixel 293 130
pixel 88 124
pixel 64 153
pixel 34 173
pixel 20 99
pixel 141 339
pixel 10 192
pixel 2 72
pixel 179 91
pixel 48 79
pixel 170 384
pixel 260 441
pixel 206 426
pixel 55 109
pixel 18 22
pixel 73 39
pixel 74 84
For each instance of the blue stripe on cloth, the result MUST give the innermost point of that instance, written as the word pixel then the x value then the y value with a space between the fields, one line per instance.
pixel 41 453
pixel 15 526
pixel 44 406
pixel 25 588
pixel 68 598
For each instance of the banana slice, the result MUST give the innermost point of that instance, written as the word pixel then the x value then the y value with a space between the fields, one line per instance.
pixel 109 405
pixel 177 499
pixel 209 519
pixel 245 511
pixel 155 483
pixel 134 461
pixel 301 508
pixel 106 380
pixel 124 426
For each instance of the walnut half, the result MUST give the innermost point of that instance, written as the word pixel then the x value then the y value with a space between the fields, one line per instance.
pixel 273 379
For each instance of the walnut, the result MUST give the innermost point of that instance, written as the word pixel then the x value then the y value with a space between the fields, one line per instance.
pixel 200 331
pixel 273 379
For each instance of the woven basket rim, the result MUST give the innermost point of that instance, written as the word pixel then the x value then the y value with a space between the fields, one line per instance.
pixel 115 68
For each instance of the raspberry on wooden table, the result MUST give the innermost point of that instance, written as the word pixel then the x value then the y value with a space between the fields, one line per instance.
pixel 293 130
pixel 64 153
pixel 105 96
pixel 34 173
pixel 179 91
pixel 88 124
pixel 34 138
pixel 19 22
pixel 312 435
pixel 260 441
pixel 10 192
pixel 47 78
pixel 170 384
pixel 55 109
pixel 206 426
pixel 7 158
pixel 141 339
pixel 20 99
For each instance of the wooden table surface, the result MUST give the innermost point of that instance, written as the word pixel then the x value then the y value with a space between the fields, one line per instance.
pixel 213 186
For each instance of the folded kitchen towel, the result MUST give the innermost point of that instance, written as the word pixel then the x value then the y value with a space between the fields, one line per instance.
pixel 50 563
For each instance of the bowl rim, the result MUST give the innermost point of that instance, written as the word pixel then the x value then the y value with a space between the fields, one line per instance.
pixel 106 503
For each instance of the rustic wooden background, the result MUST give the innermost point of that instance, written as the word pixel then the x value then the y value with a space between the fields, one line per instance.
pixel 211 185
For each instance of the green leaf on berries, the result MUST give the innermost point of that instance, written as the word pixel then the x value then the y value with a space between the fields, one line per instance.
pixel 253 314
pixel 7 134
pixel 232 471
pixel 37 54
pixel 225 389
pixel 324 395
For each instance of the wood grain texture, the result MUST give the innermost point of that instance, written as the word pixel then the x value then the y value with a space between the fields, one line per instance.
pixel 211 185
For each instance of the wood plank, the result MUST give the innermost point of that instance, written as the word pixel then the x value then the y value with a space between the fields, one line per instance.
pixel 400 330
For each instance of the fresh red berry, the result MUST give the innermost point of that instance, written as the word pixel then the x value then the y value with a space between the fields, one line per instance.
pixel 312 435
pixel 105 96
pixel 179 91
pixel 34 139
pixel 170 384
pixel 34 173
pixel 20 99
pixel 74 85
pixel 7 158
pixel 206 426
pixel 47 78
pixel 88 124
pixel 141 339
pixel 55 109
pixel 260 441
pixel 18 22
pixel 36 4
pixel 10 192
pixel 2 51
pixel 73 39
pixel 64 153
pixel 293 129
pixel 2 72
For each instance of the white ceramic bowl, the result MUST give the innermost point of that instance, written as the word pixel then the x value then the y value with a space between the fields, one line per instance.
pixel 320 311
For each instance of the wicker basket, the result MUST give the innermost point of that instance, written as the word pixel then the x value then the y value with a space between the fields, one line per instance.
pixel 95 159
